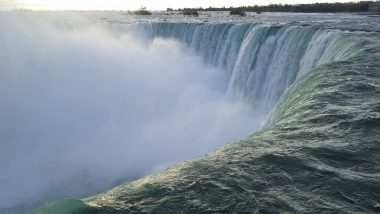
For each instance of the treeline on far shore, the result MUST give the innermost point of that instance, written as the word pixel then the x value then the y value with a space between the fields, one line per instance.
pixel 362 6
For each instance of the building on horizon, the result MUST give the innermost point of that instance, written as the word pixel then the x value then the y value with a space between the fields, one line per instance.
pixel 374 6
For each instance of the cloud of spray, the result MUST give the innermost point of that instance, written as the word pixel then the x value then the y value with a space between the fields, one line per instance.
pixel 82 110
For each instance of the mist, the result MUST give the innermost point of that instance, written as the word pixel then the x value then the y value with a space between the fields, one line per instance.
pixel 85 109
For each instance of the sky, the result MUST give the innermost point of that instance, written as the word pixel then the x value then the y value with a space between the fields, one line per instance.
pixel 135 4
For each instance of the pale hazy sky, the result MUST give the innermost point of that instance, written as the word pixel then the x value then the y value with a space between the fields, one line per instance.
pixel 134 4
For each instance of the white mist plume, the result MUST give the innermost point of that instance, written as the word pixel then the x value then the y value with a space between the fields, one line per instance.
pixel 82 110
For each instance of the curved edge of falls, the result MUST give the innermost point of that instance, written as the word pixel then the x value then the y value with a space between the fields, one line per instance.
pixel 260 60
pixel 307 158
pixel 314 155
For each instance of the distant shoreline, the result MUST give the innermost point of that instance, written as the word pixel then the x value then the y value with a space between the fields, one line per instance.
pixel 349 7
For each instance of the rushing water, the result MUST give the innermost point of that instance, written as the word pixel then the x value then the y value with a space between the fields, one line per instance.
pixel 243 70
pixel 261 61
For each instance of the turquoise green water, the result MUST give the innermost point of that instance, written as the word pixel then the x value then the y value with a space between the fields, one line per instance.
pixel 318 152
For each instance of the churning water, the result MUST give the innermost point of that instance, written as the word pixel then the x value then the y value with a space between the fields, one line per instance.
pixel 88 103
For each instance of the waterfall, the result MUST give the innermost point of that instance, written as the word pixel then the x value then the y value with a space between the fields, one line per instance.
pixel 260 60
pixel 83 109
